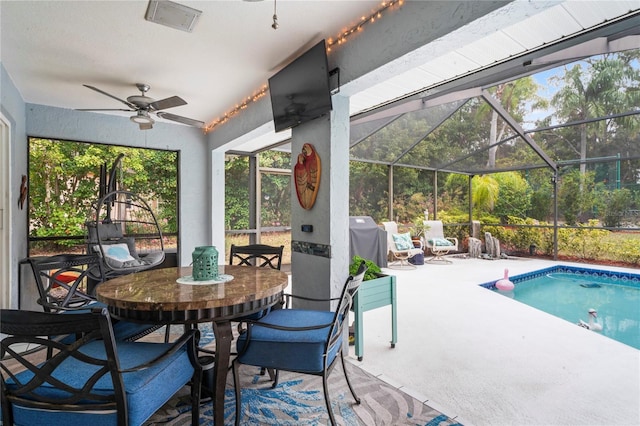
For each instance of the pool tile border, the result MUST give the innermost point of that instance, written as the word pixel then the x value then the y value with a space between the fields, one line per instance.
pixel 620 278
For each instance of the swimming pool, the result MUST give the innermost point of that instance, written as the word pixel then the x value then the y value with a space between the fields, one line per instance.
pixel 569 292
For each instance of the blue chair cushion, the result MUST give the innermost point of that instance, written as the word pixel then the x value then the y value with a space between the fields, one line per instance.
pixel 440 242
pixel 300 351
pixel 146 390
pixel 403 241
pixel 122 330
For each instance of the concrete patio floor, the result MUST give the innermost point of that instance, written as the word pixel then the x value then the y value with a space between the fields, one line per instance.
pixel 484 359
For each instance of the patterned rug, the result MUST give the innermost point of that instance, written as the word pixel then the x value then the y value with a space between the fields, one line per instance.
pixel 298 400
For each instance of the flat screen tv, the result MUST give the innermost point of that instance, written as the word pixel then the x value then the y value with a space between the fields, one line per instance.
pixel 300 91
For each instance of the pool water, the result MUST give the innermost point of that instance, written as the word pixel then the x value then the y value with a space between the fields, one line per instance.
pixel 569 293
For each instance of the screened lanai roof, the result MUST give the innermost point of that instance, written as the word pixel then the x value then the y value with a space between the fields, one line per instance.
pixel 473 132
pixel 459 136
pixel 413 139
pixel 558 34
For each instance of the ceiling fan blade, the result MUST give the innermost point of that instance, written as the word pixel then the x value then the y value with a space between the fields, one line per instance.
pixel 145 126
pixel 104 109
pixel 179 119
pixel 171 102
pixel 129 104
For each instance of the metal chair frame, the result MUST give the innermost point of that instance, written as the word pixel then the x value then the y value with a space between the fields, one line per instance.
pixel 434 229
pixel 259 255
pixel 124 217
pixel 26 327
pixel 55 289
pixel 58 294
pixel 401 257
pixel 335 335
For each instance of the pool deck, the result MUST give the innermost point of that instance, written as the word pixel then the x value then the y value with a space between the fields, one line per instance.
pixel 484 359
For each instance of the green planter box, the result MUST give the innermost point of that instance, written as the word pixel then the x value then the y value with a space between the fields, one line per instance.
pixel 371 295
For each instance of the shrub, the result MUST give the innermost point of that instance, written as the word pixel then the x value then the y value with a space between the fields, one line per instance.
pixel 627 251
pixel 522 238
pixel 582 242
pixel 617 202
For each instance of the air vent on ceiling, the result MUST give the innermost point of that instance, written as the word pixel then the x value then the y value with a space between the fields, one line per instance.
pixel 174 15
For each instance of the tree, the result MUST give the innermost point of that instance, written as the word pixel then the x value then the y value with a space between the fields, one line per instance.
pixel 484 193
pixel 368 190
pixel 514 196
pixel 575 195
pixel 595 88
pixel 276 189
pixel 616 204
pixel 64 178
pixel 237 192
pixel 516 97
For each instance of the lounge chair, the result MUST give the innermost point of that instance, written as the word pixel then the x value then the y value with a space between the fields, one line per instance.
pixel 400 246
pixel 436 242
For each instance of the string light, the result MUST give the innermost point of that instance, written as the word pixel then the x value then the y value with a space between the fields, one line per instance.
pixel 340 40
pixel 243 105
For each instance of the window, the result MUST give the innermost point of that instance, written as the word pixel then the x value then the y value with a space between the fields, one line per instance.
pixel 64 181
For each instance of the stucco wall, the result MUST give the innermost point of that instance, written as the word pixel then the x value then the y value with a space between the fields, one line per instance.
pixel 58 123
pixel 194 188
pixel 13 110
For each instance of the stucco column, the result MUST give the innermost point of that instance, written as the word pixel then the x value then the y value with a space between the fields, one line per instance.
pixel 320 259
pixel 217 205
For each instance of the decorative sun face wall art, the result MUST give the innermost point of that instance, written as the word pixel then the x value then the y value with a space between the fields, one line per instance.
pixel 306 173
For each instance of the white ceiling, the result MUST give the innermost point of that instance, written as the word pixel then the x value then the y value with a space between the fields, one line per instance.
pixel 51 48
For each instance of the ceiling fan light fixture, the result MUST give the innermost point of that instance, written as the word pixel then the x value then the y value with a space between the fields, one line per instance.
pixel 141 117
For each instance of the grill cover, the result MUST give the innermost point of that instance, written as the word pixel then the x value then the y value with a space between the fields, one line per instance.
pixel 367 240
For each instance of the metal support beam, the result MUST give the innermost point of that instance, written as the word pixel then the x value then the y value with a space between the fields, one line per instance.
pixel 435 198
pixel 390 190
pixel 254 197
pixel 555 214
pixel 497 106
pixel 470 191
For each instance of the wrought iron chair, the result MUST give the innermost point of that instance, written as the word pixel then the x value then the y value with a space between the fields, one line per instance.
pixel 260 255
pixel 66 283
pixel 92 379
pixel 298 340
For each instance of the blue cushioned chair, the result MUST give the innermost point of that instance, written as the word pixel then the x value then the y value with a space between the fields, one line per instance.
pixel 261 256
pixel 298 340
pixel 66 283
pixel 90 380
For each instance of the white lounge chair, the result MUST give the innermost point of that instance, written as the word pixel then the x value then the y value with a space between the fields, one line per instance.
pixel 436 242
pixel 398 247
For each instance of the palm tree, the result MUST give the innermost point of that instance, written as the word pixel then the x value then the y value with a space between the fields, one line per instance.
pixel 596 88
pixel 484 194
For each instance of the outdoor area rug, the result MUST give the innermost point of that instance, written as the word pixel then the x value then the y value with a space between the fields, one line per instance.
pixel 298 400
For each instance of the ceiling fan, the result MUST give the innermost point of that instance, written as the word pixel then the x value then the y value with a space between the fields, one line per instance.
pixel 143 105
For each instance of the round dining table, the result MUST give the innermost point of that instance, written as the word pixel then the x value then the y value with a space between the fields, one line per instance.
pixel 171 296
